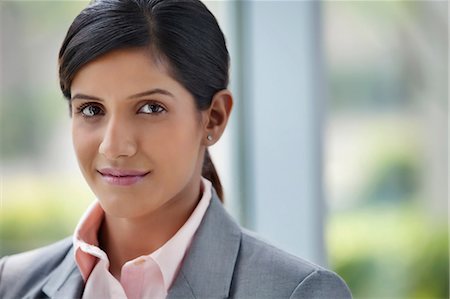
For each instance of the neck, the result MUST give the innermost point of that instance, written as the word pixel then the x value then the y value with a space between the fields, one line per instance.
pixel 125 239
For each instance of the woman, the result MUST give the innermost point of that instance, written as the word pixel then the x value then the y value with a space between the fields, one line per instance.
pixel 146 82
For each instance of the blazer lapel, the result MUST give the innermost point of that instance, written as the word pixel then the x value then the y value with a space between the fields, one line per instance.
pixel 208 266
pixel 65 281
pixel 207 269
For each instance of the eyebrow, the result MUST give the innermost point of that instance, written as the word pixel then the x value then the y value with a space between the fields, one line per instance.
pixel 81 96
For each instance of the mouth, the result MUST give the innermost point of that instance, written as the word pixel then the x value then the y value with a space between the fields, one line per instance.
pixel 122 177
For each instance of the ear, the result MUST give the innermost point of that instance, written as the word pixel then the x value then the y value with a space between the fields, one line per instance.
pixel 216 116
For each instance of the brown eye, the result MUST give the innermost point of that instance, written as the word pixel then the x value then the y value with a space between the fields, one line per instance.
pixel 90 110
pixel 152 108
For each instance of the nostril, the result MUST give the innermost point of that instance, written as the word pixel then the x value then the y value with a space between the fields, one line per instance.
pixel 114 148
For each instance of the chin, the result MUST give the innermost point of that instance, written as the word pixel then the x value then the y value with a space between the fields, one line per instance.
pixel 128 212
pixel 127 206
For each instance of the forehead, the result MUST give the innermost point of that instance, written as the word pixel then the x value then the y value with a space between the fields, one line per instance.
pixel 121 73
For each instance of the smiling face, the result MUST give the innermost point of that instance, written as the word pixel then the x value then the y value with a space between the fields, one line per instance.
pixel 137 134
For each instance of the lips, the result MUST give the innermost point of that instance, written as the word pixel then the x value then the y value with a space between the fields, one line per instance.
pixel 122 177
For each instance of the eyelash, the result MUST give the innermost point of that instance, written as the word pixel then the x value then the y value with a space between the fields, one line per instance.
pixel 80 109
pixel 152 105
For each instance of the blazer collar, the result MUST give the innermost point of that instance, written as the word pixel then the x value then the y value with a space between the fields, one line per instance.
pixel 65 281
pixel 208 266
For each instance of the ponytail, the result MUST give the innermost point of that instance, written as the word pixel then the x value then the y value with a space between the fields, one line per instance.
pixel 209 172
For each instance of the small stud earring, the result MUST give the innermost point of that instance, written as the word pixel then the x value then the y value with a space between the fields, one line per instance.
pixel 209 138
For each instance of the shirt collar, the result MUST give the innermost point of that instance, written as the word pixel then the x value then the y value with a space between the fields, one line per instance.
pixel 169 257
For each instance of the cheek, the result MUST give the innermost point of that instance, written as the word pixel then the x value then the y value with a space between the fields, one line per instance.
pixel 85 143
pixel 176 144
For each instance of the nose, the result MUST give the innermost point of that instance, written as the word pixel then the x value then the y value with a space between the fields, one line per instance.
pixel 118 141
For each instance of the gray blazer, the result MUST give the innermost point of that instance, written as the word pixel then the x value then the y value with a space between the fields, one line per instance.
pixel 224 261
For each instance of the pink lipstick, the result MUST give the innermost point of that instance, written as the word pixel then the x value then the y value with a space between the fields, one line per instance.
pixel 122 177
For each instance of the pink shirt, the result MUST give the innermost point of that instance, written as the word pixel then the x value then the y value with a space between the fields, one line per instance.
pixel 148 276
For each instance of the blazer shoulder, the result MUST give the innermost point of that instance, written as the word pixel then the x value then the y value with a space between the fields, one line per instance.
pixel 255 248
pixel 322 284
pixel 19 272
pixel 276 273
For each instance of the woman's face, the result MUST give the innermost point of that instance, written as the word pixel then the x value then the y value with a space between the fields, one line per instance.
pixel 136 132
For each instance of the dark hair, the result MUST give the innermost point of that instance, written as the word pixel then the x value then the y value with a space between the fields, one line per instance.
pixel 183 34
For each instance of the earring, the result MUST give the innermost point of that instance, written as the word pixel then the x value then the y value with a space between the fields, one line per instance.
pixel 209 138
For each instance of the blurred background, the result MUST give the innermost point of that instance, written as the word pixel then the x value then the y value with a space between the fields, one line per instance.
pixel 337 150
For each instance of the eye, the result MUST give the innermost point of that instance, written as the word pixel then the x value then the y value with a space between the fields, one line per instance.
pixel 152 108
pixel 89 110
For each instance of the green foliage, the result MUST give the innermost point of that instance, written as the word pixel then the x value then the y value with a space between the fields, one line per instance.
pixel 38 212
pixel 395 169
pixel 390 251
